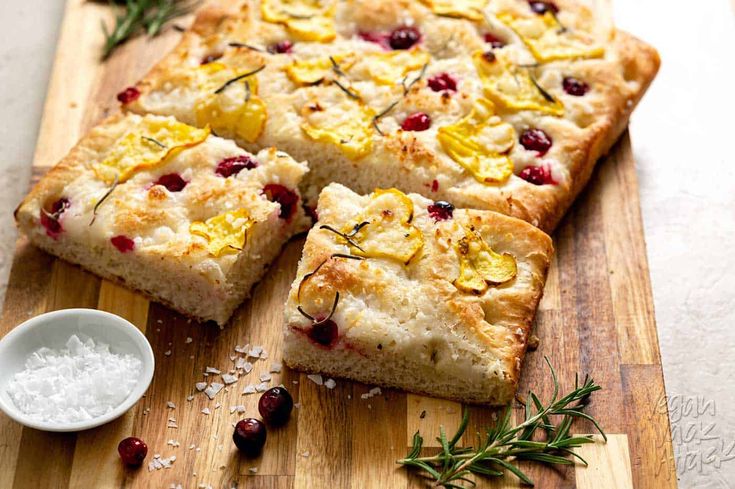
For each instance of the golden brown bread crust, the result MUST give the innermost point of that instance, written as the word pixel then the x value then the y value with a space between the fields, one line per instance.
pixel 587 132
pixel 387 310
pixel 142 233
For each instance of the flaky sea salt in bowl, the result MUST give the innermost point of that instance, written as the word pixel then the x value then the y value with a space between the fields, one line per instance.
pixel 73 369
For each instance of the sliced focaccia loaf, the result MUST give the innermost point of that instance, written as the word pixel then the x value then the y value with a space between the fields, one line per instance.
pixel 502 105
pixel 400 291
pixel 186 217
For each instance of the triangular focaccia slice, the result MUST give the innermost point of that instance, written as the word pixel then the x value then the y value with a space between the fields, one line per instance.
pixel 396 290
pixel 502 105
pixel 171 210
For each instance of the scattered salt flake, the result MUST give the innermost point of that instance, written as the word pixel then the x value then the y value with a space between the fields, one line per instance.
pixel 218 405
pixel 330 384
pixel 159 321
pixel 249 389
pixel 158 463
pixel 297 405
pixel 375 391
pixel 305 453
pixel 167 353
pixel 239 408
pixel 188 340
pixel 263 355
pixel 170 405
pixel 255 351
pixel 295 382
pixel 276 368
pixel 173 443
pixel 253 470
pixel 189 398
pixel 241 349
pixel 247 367
pixel 212 370
pixel 213 389
pixel 316 378
pixel 265 377
pixel 206 411
pixel 191 447
pixel 262 387
pixel 200 386
pixel 229 378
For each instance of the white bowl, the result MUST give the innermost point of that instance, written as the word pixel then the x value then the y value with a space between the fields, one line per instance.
pixel 52 330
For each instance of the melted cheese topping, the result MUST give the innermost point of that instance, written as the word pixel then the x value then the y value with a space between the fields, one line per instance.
pixel 479 142
pixel 548 40
pixel 383 229
pixel 468 9
pixel 145 145
pixel 346 124
pixel 307 20
pixel 225 233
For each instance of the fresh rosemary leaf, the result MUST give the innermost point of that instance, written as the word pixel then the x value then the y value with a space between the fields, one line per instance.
pixel 536 439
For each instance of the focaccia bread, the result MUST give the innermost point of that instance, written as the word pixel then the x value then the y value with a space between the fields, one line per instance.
pixel 171 210
pixel 503 105
pixel 399 291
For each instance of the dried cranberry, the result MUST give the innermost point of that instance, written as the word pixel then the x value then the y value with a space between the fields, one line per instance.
pixel 132 451
pixel 172 181
pixel 281 47
pixel 434 185
pixel 128 95
pixel 418 121
pixel 537 175
pixel 324 332
pixel 51 218
pixel 249 436
pixel 574 87
pixel 494 41
pixel 288 199
pixel 210 58
pixel 488 56
pixel 380 38
pixel 535 139
pixel 441 82
pixel 441 210
pixel 541 7
pixel 122 243
pixel 234 165
pixel 275 405
pixel 404 37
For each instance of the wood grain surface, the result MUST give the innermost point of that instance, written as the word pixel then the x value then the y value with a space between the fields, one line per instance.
pixel 596 317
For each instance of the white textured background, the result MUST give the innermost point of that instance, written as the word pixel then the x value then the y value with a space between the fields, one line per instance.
pixel 684 142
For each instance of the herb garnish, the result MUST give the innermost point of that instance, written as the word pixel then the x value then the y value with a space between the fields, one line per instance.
pixel 331 313
pixel 504 443
pixel 104 197
pixel 238 78
pixel 338 71
pixel 235 44
pixel 313 272
pixel 546 95
pixel 347 236
pixel 382 114
pixel 154 141
pixel 142 15
pixel 407 88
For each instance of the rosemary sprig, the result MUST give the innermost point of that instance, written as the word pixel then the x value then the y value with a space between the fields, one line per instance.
pixel 347 236
pixel 115 182
pixel 238 78
pixel 147 16
pixel 504 443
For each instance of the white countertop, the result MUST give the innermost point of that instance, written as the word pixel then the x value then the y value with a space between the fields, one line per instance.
pixel 684 143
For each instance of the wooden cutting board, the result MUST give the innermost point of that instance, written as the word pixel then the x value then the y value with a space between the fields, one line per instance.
pixel 596 317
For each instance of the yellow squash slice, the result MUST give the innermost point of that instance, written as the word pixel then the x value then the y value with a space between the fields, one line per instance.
pixel 313 71
pixel 243 115
pixel 307 20
pixel 388 68
pixel 383 229
pixel 479 142
pixel 346 124
pixel 512 87
pixel 548 40
pixel 224 233
pixel 145 146
pixel 480 266
pixel 467 9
